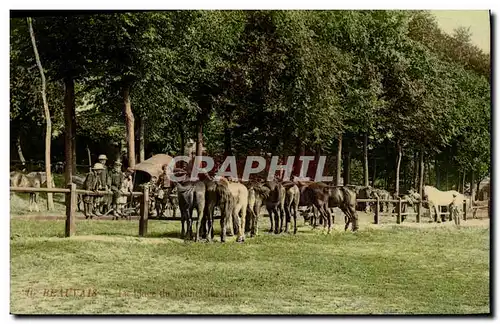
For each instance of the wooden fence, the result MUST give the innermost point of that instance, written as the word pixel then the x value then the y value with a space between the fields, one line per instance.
pixel 71 201
pixel 399 210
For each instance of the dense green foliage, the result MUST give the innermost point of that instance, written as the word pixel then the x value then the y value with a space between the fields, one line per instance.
pixel 264 81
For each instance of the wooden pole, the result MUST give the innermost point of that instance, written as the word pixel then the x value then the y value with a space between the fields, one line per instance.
pixel 377 204
pixel 70 210
pixel 398 219
pixel 465 210
pixel 143 222
pixel 419 210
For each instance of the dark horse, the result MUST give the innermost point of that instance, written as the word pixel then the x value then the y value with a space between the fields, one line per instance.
pixel 272 195
pixel 191 195
pixel 323 197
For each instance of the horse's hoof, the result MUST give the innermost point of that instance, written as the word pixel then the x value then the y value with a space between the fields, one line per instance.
pixel 240 239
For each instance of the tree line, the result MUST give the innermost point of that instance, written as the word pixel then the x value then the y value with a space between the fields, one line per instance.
pixel 394 100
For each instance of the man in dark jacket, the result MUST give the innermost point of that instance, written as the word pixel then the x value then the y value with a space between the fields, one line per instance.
pixel 92 183
pixel 103 203
pixel 115 180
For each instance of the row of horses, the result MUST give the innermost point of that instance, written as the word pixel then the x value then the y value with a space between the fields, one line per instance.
pixel 240 204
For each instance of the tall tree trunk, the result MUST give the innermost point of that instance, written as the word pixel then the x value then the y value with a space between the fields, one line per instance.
pixel 227 141
pixel 415 170
pixel 20 150
pixel 347 167
pixel 129 123
pixel 436 171
pixel 472 186
pixel 374 171
pixel 459 182
pixel 365 161
pixel 463 181
pixel 69 116
pixel 398 165
pixel 183 140
pixel 90 159
pixel 297 163
pixel 142 144
pixel 48 123
pixel 317 155
pixel 421 169
pixel 199 137
pixel 339 160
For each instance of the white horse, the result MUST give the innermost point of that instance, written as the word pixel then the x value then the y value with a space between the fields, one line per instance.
pixel 240 195
pixel 434 198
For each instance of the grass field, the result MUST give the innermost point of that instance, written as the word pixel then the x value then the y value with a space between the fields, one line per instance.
pixel 385 269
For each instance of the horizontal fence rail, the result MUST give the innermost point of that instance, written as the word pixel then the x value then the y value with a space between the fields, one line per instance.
pixel 72 192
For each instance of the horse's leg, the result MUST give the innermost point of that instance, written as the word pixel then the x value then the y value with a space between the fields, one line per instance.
pixel 200 207
pixel 295 212
pixel 242 223
pixel 256 211
pixel 271 219
pixel 277 220
pixel 287 215
pixel 348 216
pixel 329 219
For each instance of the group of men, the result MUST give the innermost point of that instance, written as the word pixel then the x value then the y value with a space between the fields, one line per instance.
pixel 102 179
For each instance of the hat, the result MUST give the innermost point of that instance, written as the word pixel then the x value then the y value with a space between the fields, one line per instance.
pixel 118 162
pixel 98 166
pixel 102 157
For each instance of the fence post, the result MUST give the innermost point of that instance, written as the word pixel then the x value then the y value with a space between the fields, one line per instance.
pixel 375 218
pixel 70 202
pixel 419 210
pixel 143 222
pixel 489 208
pixel 465 210
pixel 398 219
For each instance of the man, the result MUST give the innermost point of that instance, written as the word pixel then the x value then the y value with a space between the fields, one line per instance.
pixel 126 189
pixel 92 183
pixel 115 181
pixel 165 188
pixel 102 203
pixel 454 209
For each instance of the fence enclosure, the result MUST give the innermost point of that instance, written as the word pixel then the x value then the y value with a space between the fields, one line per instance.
pixel 71 193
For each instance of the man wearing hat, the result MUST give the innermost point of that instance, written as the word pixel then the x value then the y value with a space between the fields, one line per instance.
pixel 92 183
pixel 115 180
pixel 102 203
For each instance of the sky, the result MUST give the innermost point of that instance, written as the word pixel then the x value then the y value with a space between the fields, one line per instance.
pixel 477 20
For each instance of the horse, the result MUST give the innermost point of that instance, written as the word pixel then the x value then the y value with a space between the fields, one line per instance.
pixel 383 195
pixel 292 200
pixel 365 193
pixel 433 198
pixel 272 195
pixel 239 206
pixel 216 195
pixel 33 180
pixel 191 195
pixel 322 196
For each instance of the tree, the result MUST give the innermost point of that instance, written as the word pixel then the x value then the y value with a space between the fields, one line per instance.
pixel 48 129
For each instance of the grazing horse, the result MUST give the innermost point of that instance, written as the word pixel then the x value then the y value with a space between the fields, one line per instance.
pixel 292 200
pixel 33 180
pixel 433 198
pixel 323 196
pixel 345 199
pixel 191 195
pixel 239 206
